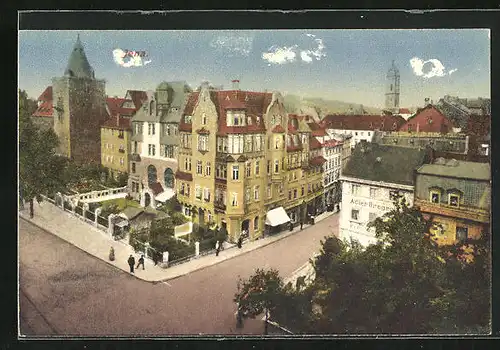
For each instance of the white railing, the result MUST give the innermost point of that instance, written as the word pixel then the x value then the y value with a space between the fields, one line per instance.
pixel 98 194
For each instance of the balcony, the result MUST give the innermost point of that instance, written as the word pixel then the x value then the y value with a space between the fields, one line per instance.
pixel 219 204
pixel 467 213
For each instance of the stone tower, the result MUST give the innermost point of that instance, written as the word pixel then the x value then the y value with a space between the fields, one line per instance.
pixel 79 109
pixel 392 89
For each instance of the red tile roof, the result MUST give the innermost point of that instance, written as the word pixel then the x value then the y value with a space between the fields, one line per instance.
pixel 332 143
pixel 118 122
pixel 114 105
pixel 319 160
pixel 156 188
pixel 138 97
pixel 314 143
pixel 46 94
pixel 363 122
pixel 317 129
pixel 278 129
pixel 45 108
pixel 404 111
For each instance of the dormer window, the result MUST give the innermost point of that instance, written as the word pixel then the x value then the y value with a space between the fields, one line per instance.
pixel 453 199
pixel 249 121
pixel 435 197
pixel 394 126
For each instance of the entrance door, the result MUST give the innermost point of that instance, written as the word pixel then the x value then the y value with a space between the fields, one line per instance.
pixel 147 199
pixel 245 225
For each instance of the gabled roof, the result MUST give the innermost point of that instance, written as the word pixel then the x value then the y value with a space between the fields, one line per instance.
pixel 316 129
pixel 390 164
pixel 46 94
pixel 363 122
pixel 319 160
pixel 114 105
pixel 314 143
pixel 137 96
pixel 44 110
pixel 117 122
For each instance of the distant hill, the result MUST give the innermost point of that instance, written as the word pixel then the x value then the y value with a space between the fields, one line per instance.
pixel 319 107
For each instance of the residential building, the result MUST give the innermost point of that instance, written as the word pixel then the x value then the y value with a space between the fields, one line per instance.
pixel 79 109
pixel 405 113
pixel 450 142
pixel 456 195
pixel 155 143
pixel 429 119
pixel 370 179
pixel 458 109
pixel 361 127
pixel 43 115
pixel 115 137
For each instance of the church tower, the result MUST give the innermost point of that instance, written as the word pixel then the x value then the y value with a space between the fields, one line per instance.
pixel 79 108
pixel 392 89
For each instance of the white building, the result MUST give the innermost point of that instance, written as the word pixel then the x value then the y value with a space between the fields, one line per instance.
pixel 372 175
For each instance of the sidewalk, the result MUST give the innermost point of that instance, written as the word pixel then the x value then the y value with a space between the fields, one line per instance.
pixel 98 243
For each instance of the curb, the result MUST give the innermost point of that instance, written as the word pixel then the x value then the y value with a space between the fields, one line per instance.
pixel 89 254
pixel 22 216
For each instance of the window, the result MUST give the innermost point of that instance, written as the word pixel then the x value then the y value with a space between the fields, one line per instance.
pixel 373 192
pixel 302 191
pixel 187 164
pixel 247 195
pixel 277 142
pixel 268 167
pixel 188 189
pixel 208 169
pixel 206 194
pixel 453 200
pixel 256 191
pixel 169 151
pixel 248 143
pixel 269 191
pixel 167 129
pixel 199 167
pixel 234 199
pixel 258 143
pixel 256 223
pixel 356 190
pixel 281 188
pixel 122 161
pixel 435 197
pixel 135 146
pixel 133 168
pixel 355 214
pixel 204 119
pixel 248 169
pixel 151 128
pixel 276 166
pixel 236 172
pixel 151 150
pixel 257 167
pixel 203 142
pixel 198 192
pixel 152 176
pixel 294 193
pixel 372 217
pixel 169 178
pixel 369 133
pixel 462 233
pixel 289 195
pixel 120 134
pixel 183 186
pixel 187 119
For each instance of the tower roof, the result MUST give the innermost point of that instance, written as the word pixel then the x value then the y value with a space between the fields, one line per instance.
pixel 393 70
pixel 78 65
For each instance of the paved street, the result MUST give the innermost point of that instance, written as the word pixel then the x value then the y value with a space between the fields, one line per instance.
pixel 66 291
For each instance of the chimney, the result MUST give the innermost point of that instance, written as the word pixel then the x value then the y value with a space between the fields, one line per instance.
pixel 236 84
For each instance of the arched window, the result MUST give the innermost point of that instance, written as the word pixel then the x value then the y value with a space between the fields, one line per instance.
pixel 204 119
pixel 152 176
pixel 256 223
pixel 169 178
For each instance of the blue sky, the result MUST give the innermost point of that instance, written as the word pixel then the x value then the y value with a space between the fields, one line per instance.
pixel 346 65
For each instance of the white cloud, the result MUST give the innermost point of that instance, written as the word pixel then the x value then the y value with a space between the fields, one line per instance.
pixel 120 58
pixel 282 55
pixel 437 69
pixel 233 44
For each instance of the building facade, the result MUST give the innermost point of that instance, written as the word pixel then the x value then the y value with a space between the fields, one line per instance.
pixel 457 196
pixel 371 178
pixel 155 143
pixel 428 119
pixel 451 142
pixel 79 109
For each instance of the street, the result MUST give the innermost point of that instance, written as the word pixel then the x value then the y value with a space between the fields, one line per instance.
pixel 66 291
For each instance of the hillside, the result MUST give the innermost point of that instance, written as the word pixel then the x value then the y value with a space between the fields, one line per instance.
pixel 314 106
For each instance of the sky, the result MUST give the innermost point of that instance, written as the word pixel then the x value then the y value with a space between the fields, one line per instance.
pixel 345 65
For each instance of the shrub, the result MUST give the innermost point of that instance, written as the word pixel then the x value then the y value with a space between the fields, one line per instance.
pixel 137 239
pixel 178 218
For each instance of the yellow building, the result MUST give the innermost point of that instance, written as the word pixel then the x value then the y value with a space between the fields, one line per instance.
pixel 233 162
pixel 115 139
pixel 457 196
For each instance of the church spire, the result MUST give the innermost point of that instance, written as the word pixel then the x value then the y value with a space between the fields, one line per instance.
pixel 78 65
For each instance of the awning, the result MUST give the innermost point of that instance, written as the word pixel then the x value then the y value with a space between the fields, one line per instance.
pixel 165 195
pixel 277 216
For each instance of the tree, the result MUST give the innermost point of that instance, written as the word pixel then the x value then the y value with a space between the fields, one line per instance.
pixel 259 293
pixel 41 171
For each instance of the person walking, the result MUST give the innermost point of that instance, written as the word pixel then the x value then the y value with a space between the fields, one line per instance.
pixel 301 224
pixel 155 258
pixel 240 241
pixel 141 262
pixel 217 248
pixel 131 263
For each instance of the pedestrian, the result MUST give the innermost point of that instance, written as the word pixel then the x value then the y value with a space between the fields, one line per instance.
pixel 291 226
pixel 131 263
pixel 217 248
pixel 155 258
pixel 301 224
pixel 240 241
pixel 141 262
